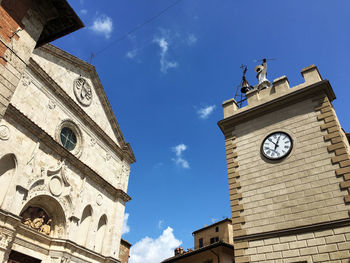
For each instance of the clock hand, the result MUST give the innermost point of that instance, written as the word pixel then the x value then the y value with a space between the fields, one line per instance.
pixel 271 141
pixel 276 144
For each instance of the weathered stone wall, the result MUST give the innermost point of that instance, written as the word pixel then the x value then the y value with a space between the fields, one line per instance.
pixel 20 28
pixel 30 177
pixel 320 246
pixel 33 96
pixel 64 73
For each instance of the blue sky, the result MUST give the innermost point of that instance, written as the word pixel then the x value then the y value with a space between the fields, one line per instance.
pixel 166 83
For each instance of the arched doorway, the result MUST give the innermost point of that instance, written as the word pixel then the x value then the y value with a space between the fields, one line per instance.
pixel 44 214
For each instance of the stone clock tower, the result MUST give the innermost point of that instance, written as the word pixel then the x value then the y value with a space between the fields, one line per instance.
pixel 288 172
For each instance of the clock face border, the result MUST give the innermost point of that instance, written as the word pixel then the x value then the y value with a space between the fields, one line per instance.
pixel 279 158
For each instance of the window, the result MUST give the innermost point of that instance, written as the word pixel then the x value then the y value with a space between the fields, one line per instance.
pixel 217 229
pixel 68 138
pixel 201 242
pixel 214 239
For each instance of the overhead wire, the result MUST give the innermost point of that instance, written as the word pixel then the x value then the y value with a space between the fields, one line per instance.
pixel 136 28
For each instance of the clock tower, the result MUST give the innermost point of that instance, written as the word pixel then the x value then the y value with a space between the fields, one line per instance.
pixel 288 172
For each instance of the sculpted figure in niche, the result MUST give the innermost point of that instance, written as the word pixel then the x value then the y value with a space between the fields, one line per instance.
pixel 38 222
pixel 46 228
pixel 36 218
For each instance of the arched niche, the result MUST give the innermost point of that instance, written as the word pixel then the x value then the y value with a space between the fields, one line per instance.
pixel 43 211
pixel 100 233
pixel 8 164
pixel 85 225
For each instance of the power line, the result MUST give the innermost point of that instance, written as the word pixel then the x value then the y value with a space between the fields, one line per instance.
pixel 138 27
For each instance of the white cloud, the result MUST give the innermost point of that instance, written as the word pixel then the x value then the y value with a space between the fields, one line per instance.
pixel 126 227
pixel 191 39
pixel 103 25
pixel 179 160
pixel 131 54
pixel 154 250
pixel 83 11
pixel 160 224
pixel 204 112
pixel 165 64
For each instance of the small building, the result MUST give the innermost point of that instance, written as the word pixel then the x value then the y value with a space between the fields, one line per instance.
pixel 212 244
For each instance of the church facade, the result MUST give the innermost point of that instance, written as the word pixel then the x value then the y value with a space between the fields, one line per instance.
pixel 64 163
pixel 288 172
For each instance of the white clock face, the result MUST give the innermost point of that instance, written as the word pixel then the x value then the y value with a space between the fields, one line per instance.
pixel 277 145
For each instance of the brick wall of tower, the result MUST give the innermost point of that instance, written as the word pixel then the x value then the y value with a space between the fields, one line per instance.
pixel 303 189
pixel 331 245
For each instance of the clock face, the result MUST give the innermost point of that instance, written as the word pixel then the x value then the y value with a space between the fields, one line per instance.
pixel 277 145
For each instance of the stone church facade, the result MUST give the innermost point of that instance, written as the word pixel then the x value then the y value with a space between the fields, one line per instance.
pixel 64 163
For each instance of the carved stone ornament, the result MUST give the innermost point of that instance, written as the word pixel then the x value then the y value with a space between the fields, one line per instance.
pixel 99 199
pixel 82 91
pixel 51 104
pixel 5 239
pixel 4 132
pixel 37 219
pixel 26 80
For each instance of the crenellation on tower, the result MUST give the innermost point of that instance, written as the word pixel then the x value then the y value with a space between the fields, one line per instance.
pixel 280 87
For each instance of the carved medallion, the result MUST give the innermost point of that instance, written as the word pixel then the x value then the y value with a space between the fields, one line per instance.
pixel 51 104
pixel 55 186
pixel 82 91
pixel 99 199
pixel 4 132
pixel 26 81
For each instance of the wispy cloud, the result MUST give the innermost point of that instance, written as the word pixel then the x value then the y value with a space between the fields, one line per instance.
pixel 83 11
pixel 103 25
pixel 160 224
pixel 126 227
pixel 179 160
pixel 132 53
pixel 154 250
pixel 191 39
pixel 165 64
pixel 204 112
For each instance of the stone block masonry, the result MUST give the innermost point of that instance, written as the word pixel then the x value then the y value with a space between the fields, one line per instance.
pixel 320 246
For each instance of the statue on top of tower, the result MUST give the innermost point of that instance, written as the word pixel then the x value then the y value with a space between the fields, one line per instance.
pixel 261 76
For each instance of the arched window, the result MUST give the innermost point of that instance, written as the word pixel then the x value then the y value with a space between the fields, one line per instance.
pixel 7 169
pixel 85 224
pixel 100 234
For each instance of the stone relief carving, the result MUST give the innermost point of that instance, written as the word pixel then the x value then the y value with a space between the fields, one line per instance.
pixel 4 132
pixel 51 104
pixel 65 259
pixel 26 81
pixel 30 166
pixel 108 157
pixel 82 91
pixel 36 218
pixel 92 142
pixel 5 239
pixel 99 200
